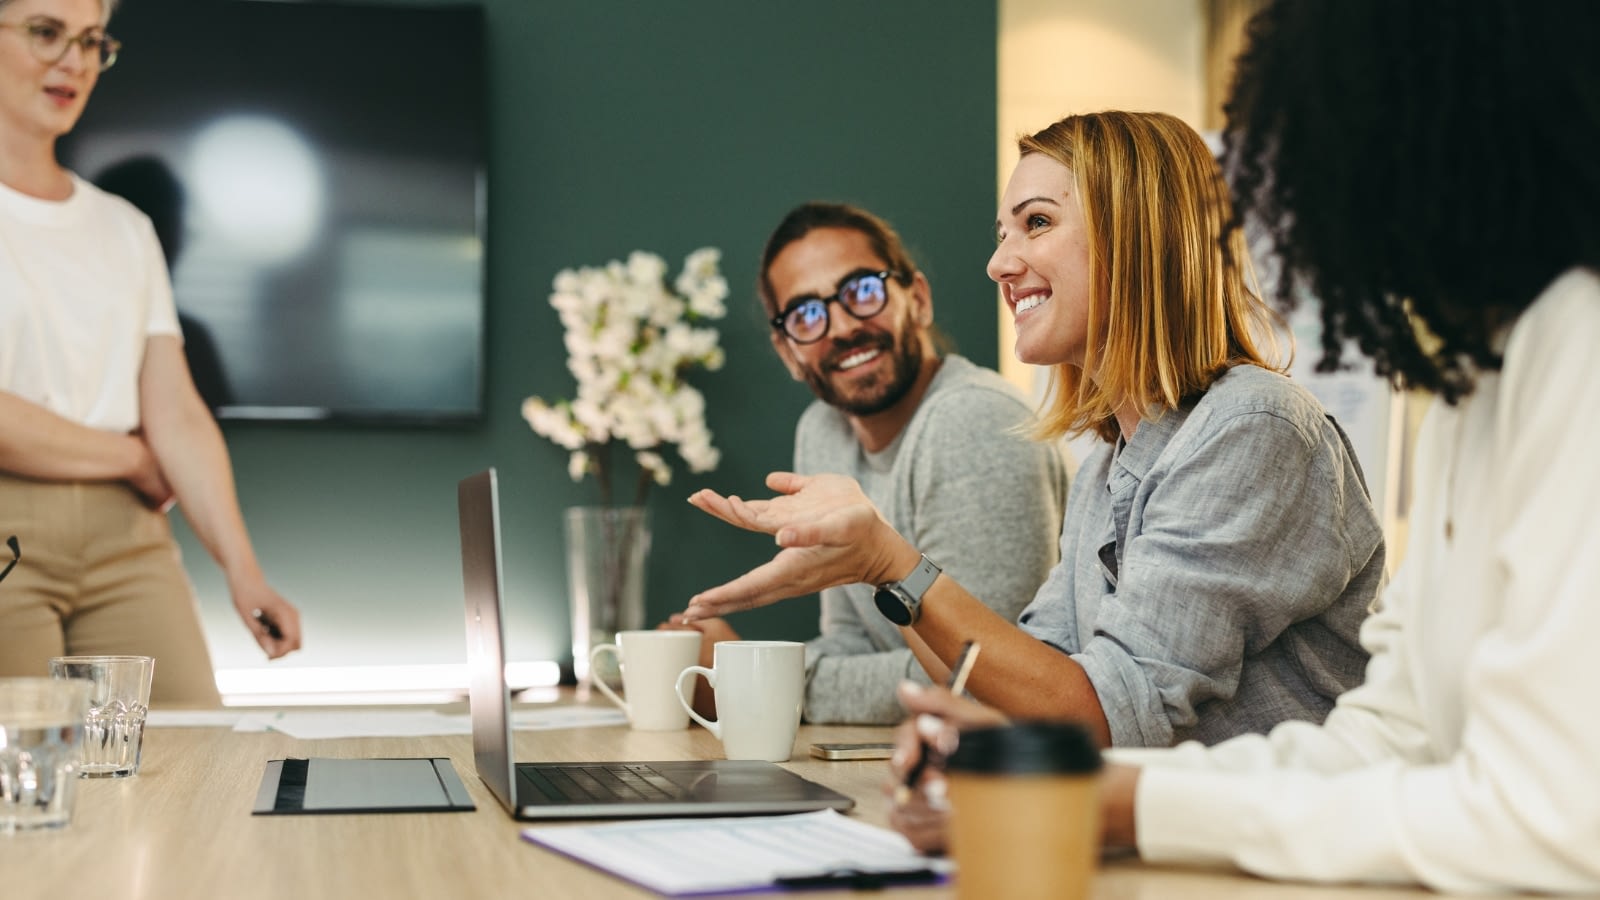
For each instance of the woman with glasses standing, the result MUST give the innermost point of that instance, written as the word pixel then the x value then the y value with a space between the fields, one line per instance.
pixel 1219 551
pixel 101 428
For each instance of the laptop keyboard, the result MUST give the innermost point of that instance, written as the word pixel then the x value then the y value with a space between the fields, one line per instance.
pixel 617 783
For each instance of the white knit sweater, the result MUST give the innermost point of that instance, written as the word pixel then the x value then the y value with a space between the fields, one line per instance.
pixel 1470 758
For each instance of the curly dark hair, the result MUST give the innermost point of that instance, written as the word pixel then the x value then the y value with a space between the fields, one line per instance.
pixel 1419 163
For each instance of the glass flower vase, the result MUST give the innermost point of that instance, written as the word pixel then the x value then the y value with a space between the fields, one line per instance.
pixel 607 549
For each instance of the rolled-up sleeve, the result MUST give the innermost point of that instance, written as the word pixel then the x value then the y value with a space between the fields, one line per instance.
pixel 850 678
pixel 1224 548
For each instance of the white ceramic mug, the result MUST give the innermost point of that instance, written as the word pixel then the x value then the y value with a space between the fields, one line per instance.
pixel 650 663
pixel 759 687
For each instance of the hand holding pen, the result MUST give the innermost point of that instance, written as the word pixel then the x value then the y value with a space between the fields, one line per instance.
pixel 272 620
pixel 957 685
pixel 917 785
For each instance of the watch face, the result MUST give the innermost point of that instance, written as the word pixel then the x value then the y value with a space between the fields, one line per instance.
pixel 894 605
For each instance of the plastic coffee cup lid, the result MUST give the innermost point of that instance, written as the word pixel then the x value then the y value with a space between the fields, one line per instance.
pixel 1026 748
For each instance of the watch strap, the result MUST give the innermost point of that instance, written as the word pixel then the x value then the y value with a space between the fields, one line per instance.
pixel 921 578
pixel 901 601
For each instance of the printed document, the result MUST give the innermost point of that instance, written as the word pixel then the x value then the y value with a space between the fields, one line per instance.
pixel 691 857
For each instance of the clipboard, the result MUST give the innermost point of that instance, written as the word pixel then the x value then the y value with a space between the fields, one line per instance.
pixel 320 786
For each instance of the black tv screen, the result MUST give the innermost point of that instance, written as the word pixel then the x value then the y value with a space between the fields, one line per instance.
pixel 327 258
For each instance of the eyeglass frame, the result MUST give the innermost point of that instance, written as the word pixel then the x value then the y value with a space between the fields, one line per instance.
pixel 107 56
pixel 16 556
pixel 885 276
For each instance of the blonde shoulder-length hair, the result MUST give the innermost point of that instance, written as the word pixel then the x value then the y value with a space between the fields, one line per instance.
pixel 1172 308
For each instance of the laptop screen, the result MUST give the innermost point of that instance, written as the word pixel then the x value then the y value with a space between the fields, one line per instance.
pixel 680 787
pixel 478 499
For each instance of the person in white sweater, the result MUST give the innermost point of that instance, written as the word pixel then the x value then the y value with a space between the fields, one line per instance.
pixel 1458 189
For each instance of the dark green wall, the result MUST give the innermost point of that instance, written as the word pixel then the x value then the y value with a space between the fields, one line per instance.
pixel 613 126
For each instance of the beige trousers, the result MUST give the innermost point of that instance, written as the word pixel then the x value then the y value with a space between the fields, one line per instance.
pixel 100 574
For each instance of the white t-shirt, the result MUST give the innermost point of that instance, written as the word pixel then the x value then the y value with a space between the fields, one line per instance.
pixel 82 285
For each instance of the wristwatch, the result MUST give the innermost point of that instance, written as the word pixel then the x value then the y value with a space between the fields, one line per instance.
pixel 901 601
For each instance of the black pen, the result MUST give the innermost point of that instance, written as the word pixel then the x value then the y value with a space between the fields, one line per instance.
pixel 273 631
pixel 957 685
pixel 859 879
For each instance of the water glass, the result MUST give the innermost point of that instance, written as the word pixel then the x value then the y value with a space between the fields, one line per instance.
pixel 119 699
pixel 41 739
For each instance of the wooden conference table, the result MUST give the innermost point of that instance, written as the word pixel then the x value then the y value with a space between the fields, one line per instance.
pixel 182 829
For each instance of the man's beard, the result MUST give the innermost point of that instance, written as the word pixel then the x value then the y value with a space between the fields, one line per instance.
pixel 877 395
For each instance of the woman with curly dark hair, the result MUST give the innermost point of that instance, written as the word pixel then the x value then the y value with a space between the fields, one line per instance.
pixel 1431 173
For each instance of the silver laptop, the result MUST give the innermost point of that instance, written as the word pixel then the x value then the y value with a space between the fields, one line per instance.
pixel 605 790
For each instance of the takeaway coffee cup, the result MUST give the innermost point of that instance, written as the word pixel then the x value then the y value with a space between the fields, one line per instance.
pixel 650 663
pixel 1024 812
pixel 759 686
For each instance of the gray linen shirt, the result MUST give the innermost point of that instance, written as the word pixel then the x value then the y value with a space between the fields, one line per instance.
pixel 965 489
pixel 1216 567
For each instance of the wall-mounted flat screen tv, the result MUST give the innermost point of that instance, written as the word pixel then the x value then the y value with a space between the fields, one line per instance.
pixel 328 254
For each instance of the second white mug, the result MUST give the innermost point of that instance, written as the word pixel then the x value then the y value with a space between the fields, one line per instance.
pixel 759 686
pixel 650 663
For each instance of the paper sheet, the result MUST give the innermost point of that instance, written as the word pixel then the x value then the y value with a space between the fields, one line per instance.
pixel 691 857
pixel 323 724
pixel 326 724
pixel 192 718
pixel 549 718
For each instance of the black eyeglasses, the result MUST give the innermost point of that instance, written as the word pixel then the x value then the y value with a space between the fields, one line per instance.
pixel 863 296
pixel 16 556
pixel 49 42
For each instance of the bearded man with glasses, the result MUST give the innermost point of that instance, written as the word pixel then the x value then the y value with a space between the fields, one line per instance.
pixel 934 441
pixel 101 428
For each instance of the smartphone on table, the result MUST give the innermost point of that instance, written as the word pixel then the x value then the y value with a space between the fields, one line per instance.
pixel 957 683
pixel 873 750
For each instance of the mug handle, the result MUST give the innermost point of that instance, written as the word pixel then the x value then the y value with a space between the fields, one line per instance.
pixel 594 665
pixel 688 706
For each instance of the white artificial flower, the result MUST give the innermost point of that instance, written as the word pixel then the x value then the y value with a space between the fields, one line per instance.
pixel 646 268
pixel 555 423
pixel 655 465
pixel 631 338
pixel 578 465
pixel 597 424
pixel 669 308
pixel 701 265
pixel 613 342
pixel 680 340
pixel 706 302
pixel 697 451
pixel 584 368
pixel 689 404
